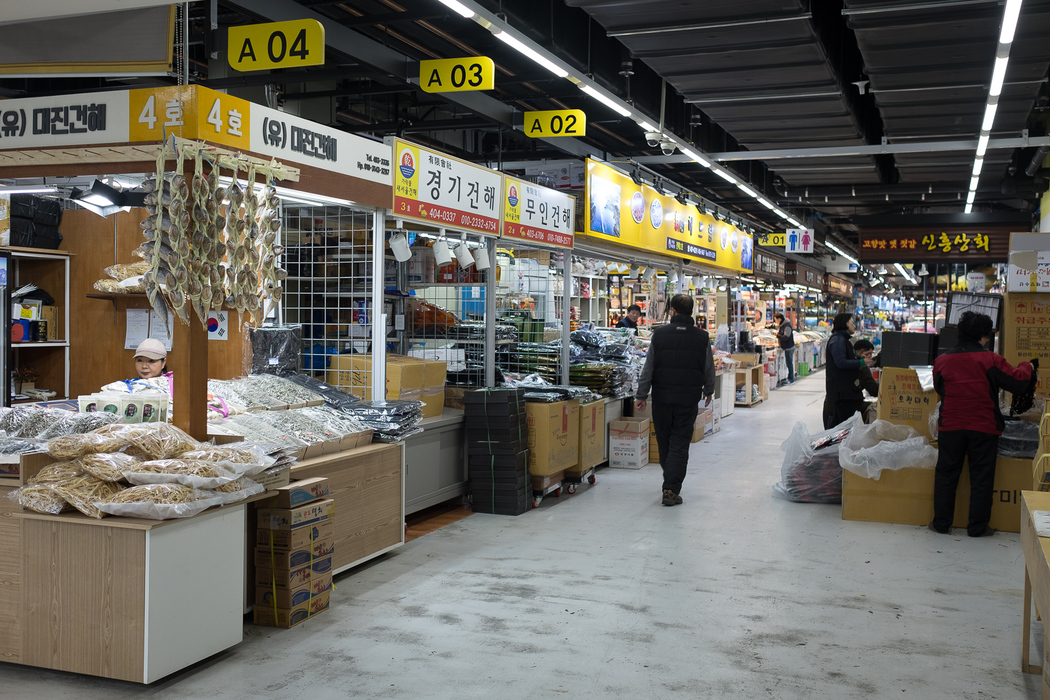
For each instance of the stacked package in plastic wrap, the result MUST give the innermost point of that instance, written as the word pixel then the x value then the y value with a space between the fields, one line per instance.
pixel 392 420
pixel 497 448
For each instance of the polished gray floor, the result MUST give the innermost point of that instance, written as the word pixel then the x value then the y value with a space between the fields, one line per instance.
pixel 607 594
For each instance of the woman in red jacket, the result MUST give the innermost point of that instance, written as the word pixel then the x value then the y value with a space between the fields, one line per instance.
pixel 968 379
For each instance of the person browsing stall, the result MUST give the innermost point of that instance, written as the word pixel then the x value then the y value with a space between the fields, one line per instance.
pixel 968 379
pixel 679 370
pixel 630 319
pixel 842 384
pixel 786 340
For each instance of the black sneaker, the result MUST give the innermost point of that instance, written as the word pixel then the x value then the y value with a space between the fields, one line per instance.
pixel 939 531
pixel 987 532
pixel 671 498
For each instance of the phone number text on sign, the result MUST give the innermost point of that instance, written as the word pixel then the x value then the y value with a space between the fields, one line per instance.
pixel 561 240
pixel 443 215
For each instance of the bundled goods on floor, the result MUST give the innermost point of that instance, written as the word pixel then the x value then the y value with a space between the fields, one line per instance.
pixel 153 471
pixel 391 421
pixel 293 554
pixel 497 447
pixel 810 472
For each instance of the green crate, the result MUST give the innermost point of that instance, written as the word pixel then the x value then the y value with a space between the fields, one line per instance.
pixel 803 369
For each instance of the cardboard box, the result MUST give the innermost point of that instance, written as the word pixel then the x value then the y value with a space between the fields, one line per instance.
pixel 288 579
pixel 353 373
pixel 433 396
pixel 299 492
pixel 554 436
pixel 288 559
pixel 292 518
pixel 903 402
pixel 454 396
pixel 265 595
pixel 541 483
pixel 265 615
pixel 654 450
pixel 703 417
pixel 747 359
pixel 629 443
pixel 298 538
pixel 50 314
pixel 592 435
pixel 1026 318
pixel 1031 248
pixel 905 496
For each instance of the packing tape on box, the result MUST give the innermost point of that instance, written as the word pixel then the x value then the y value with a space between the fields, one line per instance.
pixel 273 576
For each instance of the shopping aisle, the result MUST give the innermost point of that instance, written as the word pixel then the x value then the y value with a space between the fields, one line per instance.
pixel 607 594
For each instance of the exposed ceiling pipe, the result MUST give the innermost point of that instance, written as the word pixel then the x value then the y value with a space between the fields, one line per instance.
pixel 1037 161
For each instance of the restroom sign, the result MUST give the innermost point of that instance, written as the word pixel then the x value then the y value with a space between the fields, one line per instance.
pixel 798 240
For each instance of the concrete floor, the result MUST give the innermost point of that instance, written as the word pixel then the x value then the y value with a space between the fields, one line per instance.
pixel 607 594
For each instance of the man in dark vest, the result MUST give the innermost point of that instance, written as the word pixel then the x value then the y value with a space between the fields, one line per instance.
pixel 680 370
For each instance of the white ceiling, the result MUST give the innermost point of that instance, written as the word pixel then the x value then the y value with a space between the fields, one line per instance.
pixel 12 11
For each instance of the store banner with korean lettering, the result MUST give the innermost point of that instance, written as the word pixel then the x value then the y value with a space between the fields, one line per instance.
pixel 440 190
pixel 537 214
pixel 945 244
pixel 65 120
pixel 293 139
pixel 638 216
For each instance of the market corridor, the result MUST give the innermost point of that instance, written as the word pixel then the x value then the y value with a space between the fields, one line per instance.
pixel 607 594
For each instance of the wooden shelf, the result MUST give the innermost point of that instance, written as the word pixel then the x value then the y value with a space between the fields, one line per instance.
pixel 114 297
pixel 41 344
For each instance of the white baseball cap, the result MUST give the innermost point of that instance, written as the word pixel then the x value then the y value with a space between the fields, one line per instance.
pixel 152 349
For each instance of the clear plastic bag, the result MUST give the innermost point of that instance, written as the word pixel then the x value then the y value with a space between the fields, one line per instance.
pixel 40 498
pixel 238 490
pixel 108 466
pixel 84 491
pixel 79 423
pixel 69 447
pixel 934 423
pixel 195 473
pixel 869 449
pixel 56 473
pixel 1020 439
pixel 159 502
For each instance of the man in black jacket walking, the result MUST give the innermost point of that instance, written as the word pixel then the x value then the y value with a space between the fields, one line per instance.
pixel 680 370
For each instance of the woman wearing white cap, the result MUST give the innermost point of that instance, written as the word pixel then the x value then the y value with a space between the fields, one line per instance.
pixel 151 359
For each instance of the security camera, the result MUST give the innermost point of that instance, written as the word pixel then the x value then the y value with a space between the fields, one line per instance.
pixel 667 147
pixel 652 138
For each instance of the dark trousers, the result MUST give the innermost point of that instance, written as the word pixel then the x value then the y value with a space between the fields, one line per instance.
pixel 674 430
pixel 836 412
pixel 953 447
pixel 789 356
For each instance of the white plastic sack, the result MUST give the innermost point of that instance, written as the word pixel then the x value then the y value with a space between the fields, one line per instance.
pixel 883 445
pixel 935 421
pixel 810 472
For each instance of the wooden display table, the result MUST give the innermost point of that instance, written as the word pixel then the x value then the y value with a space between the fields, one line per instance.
pixel 122 598
pixel 1036 581
pixel 747 377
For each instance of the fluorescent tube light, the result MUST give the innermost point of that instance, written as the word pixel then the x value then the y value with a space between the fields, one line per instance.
pixel 982 145
pixel 968 208
pixel 725 175
pixel 697 157
pixel 747 190
pixel 903 271
pixel 973 183
pixel 796 224
pixel 782 215
pixel 646 126
pixel 521 48
pixel 989 116
pixel 1010 15
pixel 978 166
pixel 971 197
pixel 766 203
pixel 607 101
pixel 998 75
pixel 459 8
pixel 30 189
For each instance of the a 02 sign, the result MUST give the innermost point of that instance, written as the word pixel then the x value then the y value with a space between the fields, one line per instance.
pixel 457 74
pixel 289 44
pixel 555 122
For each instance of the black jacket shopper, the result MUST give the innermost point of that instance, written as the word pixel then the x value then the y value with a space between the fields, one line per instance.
pixel 680 372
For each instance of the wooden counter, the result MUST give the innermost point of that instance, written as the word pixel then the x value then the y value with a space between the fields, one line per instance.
pixel 1036 582
pixel 368 486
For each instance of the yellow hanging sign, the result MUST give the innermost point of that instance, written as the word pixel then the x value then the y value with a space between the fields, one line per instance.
pixel 290 44
pixel 555 122
pixel 770 240
pixel 457 74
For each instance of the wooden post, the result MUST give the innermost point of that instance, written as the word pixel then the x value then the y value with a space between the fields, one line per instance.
pixel 189 361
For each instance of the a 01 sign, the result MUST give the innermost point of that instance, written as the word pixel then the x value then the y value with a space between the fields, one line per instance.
pixel 289 44
pixel 555 122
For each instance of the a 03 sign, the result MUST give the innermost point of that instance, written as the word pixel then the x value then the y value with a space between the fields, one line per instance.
pixel 555 122
pixel 457 74
pixel 289 44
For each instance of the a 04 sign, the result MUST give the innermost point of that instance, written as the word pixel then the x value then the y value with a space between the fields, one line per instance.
pixel 289 44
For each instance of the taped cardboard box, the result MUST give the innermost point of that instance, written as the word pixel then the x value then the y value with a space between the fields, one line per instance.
pixel 554 436
pixel 266 615
pixel 288 559
pixel 287 599
pixel 353 373
pixel 299 492
pixel 629 443
pixel 905 496
pixel 903 402
pixel 298 538
pixel 292 518
pixel 286 580
pixel 592 435
pixel 1026 334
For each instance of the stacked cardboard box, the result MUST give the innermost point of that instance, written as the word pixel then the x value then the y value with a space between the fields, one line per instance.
pixel 293 554
pixel 407 378
pixel 554 436
pixel 497 449
pixel 629 443
pixel 592 438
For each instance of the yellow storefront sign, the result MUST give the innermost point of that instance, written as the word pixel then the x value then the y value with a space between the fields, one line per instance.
pixel 291 44
pixel 638 216
pixel 191 112
pixel 457 74
pixel 555 122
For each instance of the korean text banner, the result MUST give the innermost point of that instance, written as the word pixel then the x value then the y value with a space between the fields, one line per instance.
pixel 638 216
pixel 440 190
pixel 537 214
pixel 979 244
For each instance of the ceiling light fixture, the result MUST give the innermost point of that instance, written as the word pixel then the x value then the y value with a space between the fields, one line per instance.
pixel 459 8
pixel 646 126
pixel 28 189
pixel 725 175
pixel 747 190
pixel 1010 15
pixel 607 101
pixel 696 157
pixel 528 51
